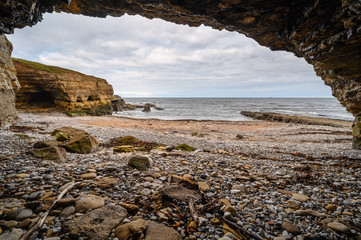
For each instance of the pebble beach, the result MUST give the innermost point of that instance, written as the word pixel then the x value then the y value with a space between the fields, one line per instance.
pixel 272 180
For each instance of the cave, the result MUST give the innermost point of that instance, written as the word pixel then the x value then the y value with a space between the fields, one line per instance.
pixel 326 33
pixel 40 99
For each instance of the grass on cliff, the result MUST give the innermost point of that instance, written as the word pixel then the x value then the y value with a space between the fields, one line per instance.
pixel 42 67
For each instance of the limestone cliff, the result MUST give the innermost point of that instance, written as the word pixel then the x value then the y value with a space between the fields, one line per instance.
pixel 325 32
pixel 8 84
pixel 46 87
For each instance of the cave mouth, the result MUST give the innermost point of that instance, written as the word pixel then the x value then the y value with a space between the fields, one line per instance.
pixel 41 99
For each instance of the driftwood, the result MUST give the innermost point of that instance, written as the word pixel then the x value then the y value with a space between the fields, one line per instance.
pixel 42 219
pixel 193 211
pixel 241 230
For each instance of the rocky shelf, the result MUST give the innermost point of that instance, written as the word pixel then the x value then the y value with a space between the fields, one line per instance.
pixel 278 117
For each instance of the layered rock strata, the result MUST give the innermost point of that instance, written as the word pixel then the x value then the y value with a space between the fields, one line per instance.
pixel 8 84
pixel 325 32
pixel 46 87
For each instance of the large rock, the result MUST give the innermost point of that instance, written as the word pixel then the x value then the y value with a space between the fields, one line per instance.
pixel 49 87
pixel 83 143
pixel 97 224
pixel 325 33
pixel 55 154
pixel 70 131
pixel 141 163
pixel 8 84
pixel 88 202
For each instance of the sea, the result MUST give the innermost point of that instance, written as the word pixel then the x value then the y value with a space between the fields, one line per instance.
pixel 229 108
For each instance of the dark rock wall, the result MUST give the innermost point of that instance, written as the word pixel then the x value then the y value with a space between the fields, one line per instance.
pixel 325 32
pixel 8 84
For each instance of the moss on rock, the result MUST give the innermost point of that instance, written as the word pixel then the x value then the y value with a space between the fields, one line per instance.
pixel 184 147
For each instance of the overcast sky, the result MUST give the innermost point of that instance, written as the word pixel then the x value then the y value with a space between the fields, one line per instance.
pixel 154 58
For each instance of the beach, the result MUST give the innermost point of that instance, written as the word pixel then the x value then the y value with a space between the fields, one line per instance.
pixel 276 180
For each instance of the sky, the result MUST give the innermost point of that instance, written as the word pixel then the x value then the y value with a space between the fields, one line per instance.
pixel 153 58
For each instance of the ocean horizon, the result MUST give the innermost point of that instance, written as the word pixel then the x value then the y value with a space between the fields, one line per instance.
pixel 228 109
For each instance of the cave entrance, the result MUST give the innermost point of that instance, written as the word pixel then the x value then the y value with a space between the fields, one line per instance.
pixel 41 99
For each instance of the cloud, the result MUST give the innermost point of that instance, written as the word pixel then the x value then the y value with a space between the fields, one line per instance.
pixel 142 57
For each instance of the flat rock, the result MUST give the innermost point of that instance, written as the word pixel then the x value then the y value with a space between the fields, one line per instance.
pixel 20 214
pixel 156 231
pixel 96 224
pixel 88 175
pixel 88 202
pixel 68 211
pixel 310 212
pixel 338 227
pixel 291 227
pixel 55 154
pixel 300 197
pixel 15 234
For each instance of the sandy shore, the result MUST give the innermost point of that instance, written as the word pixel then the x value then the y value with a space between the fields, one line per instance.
pixel 278 180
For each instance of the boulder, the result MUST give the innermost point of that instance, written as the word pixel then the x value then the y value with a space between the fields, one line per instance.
pixel 45 144
pixel 146 109
pixel 83 143
pixel 88 202
pixel 96 224
pixel 19 214
pixel 141 163
pixel 70 131
pixel 55 154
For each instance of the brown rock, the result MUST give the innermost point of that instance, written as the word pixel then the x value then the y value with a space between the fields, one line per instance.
pixel 130 207
pixel 55 154
pixel 331 207
pixel 8 84
pixel 81 144
pixel 88 202
pixel 156 231
pixel 125 230
pixel 45 87
pixel 97 224
pixel 310 212
pixel 300 197
pixel 203 187
pixel 291 228
pixel 338 227
pixel 88 175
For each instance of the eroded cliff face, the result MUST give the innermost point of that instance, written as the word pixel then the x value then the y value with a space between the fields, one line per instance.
pixel 325 32
pixel 8 84
pixel 46 87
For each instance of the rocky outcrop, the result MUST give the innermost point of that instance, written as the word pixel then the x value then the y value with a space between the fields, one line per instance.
pixel 325 32
pixel 46 87
pixel 278 117
pixel 8 84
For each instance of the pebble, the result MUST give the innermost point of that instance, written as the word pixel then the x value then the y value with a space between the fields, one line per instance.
pixel 90 175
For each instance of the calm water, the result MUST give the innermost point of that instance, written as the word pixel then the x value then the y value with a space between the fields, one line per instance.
pixel 229 108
